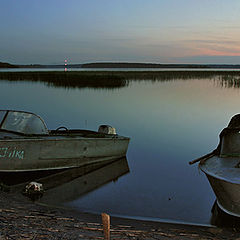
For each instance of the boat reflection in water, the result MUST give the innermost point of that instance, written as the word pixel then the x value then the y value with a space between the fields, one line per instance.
pixel 71 184
pixel 221 219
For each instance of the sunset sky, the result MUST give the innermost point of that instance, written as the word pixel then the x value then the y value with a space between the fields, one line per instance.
pixel 157 31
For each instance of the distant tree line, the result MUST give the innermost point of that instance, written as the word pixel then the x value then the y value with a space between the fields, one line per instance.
pixel 155 65
pixel 123 65
pixel 7 65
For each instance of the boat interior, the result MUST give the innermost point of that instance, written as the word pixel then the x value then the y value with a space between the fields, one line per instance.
pixel 19 124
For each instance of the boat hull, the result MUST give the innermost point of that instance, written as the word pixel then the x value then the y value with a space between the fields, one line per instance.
pixel 222 168
pixel 227 194
pixel 58 153
pixel 224 178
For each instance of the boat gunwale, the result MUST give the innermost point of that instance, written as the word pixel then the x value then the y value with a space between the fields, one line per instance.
pixel 65 136
pixel 208 173
pixel 64 139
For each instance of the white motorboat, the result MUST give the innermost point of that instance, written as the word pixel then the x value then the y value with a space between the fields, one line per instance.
pixel 27 145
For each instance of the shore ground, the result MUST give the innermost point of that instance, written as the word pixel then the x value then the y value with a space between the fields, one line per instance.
pixel 21 218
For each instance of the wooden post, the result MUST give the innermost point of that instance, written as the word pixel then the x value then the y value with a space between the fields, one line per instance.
pixel 106 226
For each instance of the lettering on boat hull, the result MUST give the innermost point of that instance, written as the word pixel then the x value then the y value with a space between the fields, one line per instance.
pixel 6 152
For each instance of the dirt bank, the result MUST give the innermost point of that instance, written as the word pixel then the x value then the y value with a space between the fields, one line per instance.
pixel 22 219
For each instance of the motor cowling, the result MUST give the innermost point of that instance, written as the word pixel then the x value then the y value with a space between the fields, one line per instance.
pixel 107 129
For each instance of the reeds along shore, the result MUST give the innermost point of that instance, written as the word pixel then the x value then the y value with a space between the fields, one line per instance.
pixel 117 79
pixel 67 79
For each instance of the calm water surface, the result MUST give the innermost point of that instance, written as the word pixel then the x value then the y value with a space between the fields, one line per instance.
pixel 170 123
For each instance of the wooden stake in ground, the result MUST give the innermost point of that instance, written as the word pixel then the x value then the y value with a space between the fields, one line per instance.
pixel 106 226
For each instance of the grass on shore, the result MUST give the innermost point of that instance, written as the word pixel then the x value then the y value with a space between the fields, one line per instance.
pixel 117 79
pixel 67 79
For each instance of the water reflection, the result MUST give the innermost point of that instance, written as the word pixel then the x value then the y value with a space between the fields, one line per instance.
pixel 12 179
pixel 61 186
pixel 229 81
pixel 221 219
pixel 72 184
pixel 169 122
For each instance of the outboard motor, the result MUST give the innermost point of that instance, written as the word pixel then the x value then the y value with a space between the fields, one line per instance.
pixel 107 129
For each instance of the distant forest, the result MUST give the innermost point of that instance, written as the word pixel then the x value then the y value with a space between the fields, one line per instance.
pixel 140 65
pixel 155 65
pixel 7 65
pixel 123 65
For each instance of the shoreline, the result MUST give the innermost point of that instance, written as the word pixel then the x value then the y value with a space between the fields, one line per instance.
pixel 22 218
pixel 120 64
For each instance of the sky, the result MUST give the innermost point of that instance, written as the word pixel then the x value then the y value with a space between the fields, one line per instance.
pixel 154 31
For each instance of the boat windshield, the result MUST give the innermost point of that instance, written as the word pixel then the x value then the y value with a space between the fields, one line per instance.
pixel 22 122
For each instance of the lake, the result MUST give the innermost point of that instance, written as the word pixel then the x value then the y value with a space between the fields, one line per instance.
pixel 170 123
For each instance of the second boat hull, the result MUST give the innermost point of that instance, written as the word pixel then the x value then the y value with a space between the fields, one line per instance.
pixel 227 194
